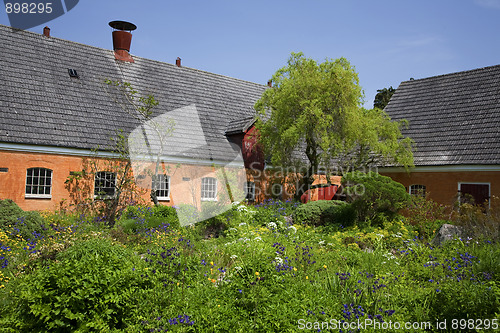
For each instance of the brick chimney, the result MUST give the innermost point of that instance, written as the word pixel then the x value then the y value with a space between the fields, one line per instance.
pixel 178 62
pixel 46 32
pixel 122 38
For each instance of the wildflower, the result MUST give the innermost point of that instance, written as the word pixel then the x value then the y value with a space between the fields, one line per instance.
pixel 234 256
pixel 295 269
pixel 278 260
pixel 324 266
pixel 257 273
pixel 242 224
pixel 307 277
pixel 258 239
pixel 272 225
pixel 240 291
pixel 212 263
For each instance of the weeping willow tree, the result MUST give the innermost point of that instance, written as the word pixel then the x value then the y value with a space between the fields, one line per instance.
pixel 312 118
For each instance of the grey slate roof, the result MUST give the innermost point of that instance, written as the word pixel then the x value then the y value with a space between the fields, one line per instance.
pixel 40 104
pixel 454 119
pixel 239 126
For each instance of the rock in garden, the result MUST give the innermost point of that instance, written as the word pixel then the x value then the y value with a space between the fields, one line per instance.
pixel 447 232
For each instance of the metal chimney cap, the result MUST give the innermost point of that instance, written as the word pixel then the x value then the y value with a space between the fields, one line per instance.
pixel 122 25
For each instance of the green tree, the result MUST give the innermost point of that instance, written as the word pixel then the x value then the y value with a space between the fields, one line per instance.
pixel 383 97
pixel 312 117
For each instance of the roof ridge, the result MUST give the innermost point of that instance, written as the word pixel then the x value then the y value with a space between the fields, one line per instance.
pixel 35 34
pixel 453 73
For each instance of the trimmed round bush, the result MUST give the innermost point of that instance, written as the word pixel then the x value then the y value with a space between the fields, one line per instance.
pixel 325 212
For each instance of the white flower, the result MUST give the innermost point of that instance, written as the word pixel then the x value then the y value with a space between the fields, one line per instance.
pixel 272 225
pixel 292 228
pixel 258 239
pixel 238 268
pixel 232 230
pixel 236 203
pixel 278 260
pixel 242 224
pixel 381 236
pixel 234 256
pixel 321 243
pixel 243 239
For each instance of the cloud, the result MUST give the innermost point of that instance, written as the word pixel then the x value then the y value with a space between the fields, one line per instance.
pixel 488 3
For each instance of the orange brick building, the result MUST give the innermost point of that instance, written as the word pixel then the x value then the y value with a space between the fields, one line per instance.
pixel 454 120
pixel 57 107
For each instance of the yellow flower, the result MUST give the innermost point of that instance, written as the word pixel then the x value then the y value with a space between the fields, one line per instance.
pixel 257 273
pixel 295 269
pixel 307 277
pixel 324 266
pixel 212 263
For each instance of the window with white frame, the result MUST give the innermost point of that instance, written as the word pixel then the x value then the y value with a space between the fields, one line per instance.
pixel 209 189
pixel 417 190
pixel 38 183
pixel 162 187
pixel 105 184
pixel 250 191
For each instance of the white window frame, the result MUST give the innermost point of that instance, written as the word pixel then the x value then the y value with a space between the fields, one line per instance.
pixel 209 189
pixel 164 185
pixel 412 191
pixel 106 179
pixel 251 193
pixel 475 183
pixel 38 184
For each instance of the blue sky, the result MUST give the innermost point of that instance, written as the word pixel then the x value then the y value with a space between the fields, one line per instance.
pixel 388 41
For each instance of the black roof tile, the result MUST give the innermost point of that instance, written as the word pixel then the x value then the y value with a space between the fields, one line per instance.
pixel 41 104
pixel 453 118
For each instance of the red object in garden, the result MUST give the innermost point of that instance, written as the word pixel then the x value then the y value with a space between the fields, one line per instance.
pixel 320 192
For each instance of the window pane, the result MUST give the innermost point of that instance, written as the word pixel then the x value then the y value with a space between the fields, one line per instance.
pixel 38 181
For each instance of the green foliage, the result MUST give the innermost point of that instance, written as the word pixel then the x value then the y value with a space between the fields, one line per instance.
pixel 480 221
pixel 383 97
pixel 167 214
pixel 16 222
pixel 261 276
pixel 90 288
pixel 426 215
pixel 324 212
pixel 316 108
pixel 374 196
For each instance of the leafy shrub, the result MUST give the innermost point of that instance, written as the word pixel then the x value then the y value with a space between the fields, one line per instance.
pixel 425 215
pixel 374 196
pixel 90 288
pixel 188 214
pixel 137 212
pixel 273 211
pixel 169 215
pixel 324 212
pixel 14 221
pixel 480 221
